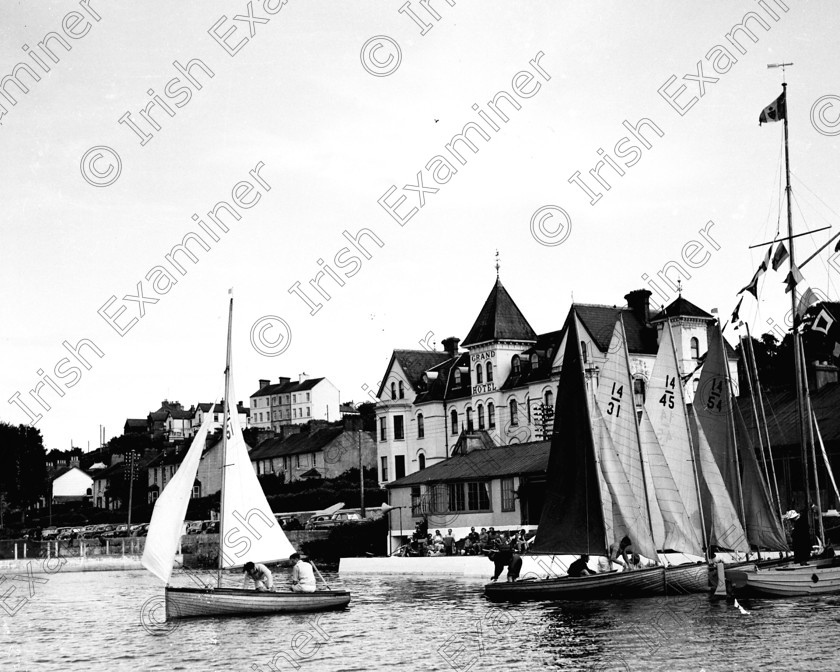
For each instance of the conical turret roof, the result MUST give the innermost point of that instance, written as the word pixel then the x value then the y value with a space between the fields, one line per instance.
pixel 499 320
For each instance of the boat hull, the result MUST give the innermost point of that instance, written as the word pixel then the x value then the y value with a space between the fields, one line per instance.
pixel 815 578
pixel 684 579
pixel 197 602
pixel 639 583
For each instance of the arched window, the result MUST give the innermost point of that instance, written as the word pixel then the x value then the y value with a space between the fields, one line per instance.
pixel 402 390
pixel 421 461
pixel 479 376
pixel 489 372
pixel 514 413
pixel 549 399
pixel 421 430
pixel 393 390
pixel 535 361
pixel 695 348
pixel 457 378
pixel 480 410
pixel 491 415
pixel 469 420
pixel 639 391
pixel 453 420
pixel 584 351
pixel 515 365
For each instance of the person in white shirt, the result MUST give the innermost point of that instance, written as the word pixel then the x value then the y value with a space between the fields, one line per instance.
pixel 261 575
pixel 303 578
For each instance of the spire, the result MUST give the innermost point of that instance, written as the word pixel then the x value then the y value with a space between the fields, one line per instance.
pixel 499 319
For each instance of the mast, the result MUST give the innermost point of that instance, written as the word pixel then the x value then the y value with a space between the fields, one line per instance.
pixel 225 430
pixel 638 435
pixel 731 399
pixel 818 512
pixel 690 441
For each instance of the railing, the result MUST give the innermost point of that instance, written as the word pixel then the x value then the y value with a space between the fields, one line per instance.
pixel 17 549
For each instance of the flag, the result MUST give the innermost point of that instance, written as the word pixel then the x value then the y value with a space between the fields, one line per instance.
pixel 775 111
pixel 808 299
pixel 766 263
pixel 736 311
pixel 793 278
pixel 822 322
pixel 780 256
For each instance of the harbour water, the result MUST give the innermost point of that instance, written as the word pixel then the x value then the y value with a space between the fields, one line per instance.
pixel 113 621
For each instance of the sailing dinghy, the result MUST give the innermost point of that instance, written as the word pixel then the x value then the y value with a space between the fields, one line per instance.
pixel 248 530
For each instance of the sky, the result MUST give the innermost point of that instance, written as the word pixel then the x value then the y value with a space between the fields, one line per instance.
pixel 332 105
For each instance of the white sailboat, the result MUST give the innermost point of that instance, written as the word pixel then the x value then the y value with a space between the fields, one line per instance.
pixel 248 530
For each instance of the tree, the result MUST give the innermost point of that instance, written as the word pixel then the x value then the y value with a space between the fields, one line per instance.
pixel 23 471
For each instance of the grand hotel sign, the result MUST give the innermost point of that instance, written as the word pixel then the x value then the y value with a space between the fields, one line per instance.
pixel 484 387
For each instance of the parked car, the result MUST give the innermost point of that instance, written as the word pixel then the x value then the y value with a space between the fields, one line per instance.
pixel 49 533
pixel 288 522
pixel 139 530
pixel 195 526
pixel 210 527
pixel 326 522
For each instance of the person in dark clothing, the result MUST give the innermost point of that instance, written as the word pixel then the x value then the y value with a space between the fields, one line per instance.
pixel 514 567
pixel 579 567
pixel 501 556
pixel 801 537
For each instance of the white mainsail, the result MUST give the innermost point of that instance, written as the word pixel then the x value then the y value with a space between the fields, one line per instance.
pixel 665 407
pixel 167 523
pixel 251 533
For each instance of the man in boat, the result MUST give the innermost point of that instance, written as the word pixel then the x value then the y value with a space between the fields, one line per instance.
pixel 303 578
pixel 801 537
pixel 263 581
pixel 514 567
pixel 579 567
pixel 501 557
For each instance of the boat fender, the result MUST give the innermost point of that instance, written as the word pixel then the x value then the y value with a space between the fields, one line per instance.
pixel 814 577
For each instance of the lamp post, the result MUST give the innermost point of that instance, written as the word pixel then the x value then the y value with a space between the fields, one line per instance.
pixel 387 508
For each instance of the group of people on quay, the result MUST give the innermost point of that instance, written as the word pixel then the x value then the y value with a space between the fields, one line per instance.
pixel 424 543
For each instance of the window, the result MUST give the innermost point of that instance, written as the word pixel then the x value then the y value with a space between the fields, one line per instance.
pixel 535 361
pixel 528 409
pixel 399 429
pixel 491 415
pixel 469 420
pixel 307 396
pixel 383 429
pixel 307 411
pixel 508 495
pixel 695 348
pixel 402 390
pixel 297 460
pixel 480 411
pixel 196 491
pixel 479 376
pixel 514 413
pixel 421 461
pixel 477 498
pixel 399 466
pixel 384 468
pixel 457 382
pixel 584 352
pixel 421 430
pixel 393 390
pixel 515 365
pixel 416 505
pixel 154 475
pixel 294 398
pixel 549 399
pixel 639 391
pixel 456 497
pixel 489 372
pixel 453 420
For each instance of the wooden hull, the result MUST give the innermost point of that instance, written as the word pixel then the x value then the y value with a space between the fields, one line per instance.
pixel 196 602
pixel 684 579
pixel 639 583
pixel 815 578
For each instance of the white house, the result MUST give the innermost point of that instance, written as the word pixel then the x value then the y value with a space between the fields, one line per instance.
pixel 71 484
pixel 294 403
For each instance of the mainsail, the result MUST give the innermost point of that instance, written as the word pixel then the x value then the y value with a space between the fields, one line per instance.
pixel 167 523
pixel 572 519
pixel 251 533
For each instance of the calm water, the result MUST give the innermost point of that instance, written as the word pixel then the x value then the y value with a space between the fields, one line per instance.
pixel 109 621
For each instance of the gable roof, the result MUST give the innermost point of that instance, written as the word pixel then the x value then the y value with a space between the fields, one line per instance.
pixel 523 458
pixel 286 388
pixel 296 444
pixel 599 322
pixel 682 308
pixel 499 320
pixel 414 364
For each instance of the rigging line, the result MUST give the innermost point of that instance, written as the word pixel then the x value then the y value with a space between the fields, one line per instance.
pixel 828 207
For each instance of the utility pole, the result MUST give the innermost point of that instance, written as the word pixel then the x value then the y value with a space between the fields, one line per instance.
pixel 358 425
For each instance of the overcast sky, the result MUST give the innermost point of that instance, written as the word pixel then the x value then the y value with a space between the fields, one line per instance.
pixel 333 139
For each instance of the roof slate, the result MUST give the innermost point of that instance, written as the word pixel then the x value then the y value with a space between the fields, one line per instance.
pixel 680 307
pixel 500 320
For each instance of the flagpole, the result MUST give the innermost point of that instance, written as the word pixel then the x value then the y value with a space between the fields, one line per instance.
pixel 798 364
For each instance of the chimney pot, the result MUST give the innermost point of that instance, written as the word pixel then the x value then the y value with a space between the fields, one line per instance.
pixel 639 303
pixel 450 345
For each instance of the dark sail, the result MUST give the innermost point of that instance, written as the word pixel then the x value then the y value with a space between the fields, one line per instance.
pixel 572 517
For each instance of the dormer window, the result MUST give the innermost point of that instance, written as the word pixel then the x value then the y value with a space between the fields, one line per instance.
pixel 402 390
pixel 535 361
pixel 515 365
pixel 393 390
pixel 457 378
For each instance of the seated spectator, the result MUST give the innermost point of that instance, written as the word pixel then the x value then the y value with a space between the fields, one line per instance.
pixel 473 536
pixel 579 567
pixel 483 538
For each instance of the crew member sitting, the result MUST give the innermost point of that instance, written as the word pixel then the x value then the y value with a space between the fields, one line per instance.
pixel 263 582
pixel 579 567
pixel 303 578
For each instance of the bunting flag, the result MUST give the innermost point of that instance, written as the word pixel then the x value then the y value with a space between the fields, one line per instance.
pixel 780 256
pixel 809 298
pixel 775 111
pixel 793 278
pixel 737 311
pixel 752 287
pixel 823 322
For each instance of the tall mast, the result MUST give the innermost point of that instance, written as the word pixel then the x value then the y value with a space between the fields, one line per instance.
pixel 819 528
pixel 225 430
pixel 731 399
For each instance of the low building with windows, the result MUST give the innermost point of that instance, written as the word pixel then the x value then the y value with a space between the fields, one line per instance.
pixel 208 479
pixel 71 484
pixel 504 383
pixel 218 411
pixel 286 403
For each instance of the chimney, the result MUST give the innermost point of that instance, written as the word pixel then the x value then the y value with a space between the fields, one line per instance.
pixel 450 345
pixel 284 381
pixel 264 383
pixel 303 377
pixel 821 374
pixel 639 302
